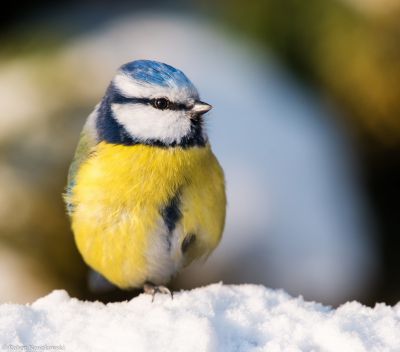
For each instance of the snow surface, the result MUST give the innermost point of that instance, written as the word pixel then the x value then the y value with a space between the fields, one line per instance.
pixel 212 318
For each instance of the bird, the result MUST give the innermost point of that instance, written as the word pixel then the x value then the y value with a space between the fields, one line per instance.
pixel 145 193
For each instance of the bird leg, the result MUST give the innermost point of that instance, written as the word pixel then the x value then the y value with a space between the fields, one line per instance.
pixel 152 289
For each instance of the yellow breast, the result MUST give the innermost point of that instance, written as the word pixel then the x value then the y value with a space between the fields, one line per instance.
pixel 118 196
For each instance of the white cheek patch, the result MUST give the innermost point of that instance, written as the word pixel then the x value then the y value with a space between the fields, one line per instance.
pixel 145 122
pixel 136 89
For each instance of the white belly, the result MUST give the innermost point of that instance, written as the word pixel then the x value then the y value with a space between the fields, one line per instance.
pixel 164 255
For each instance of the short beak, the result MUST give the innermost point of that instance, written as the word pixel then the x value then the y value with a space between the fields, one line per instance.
pixel 200 108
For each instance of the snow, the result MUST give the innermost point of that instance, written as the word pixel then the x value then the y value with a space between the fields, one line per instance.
pixel 213 318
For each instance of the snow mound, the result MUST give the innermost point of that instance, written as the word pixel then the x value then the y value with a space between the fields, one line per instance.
pixel 212 318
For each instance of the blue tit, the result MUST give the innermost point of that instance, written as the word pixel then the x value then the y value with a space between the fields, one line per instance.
pixel 146 194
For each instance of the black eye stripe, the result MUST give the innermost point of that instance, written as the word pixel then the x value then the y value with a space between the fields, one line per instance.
pixel 120 99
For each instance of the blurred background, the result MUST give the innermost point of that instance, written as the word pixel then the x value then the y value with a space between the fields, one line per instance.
pixel 306 125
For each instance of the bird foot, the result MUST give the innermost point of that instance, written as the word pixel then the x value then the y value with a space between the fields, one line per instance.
pixel 152 289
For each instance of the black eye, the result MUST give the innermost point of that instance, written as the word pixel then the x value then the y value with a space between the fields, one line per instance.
pixel 161 103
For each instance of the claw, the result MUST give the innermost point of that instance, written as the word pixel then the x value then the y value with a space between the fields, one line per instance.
pixel 152 289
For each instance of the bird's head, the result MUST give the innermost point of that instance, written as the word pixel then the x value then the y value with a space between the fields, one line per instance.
pixel 150 102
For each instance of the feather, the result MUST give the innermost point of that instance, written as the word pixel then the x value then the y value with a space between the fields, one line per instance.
pixel 85 149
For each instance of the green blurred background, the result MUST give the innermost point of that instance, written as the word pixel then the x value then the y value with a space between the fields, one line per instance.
pixel 346 52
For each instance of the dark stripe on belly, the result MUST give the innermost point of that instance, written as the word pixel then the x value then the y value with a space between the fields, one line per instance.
pixel 171 214
pixel 188 242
